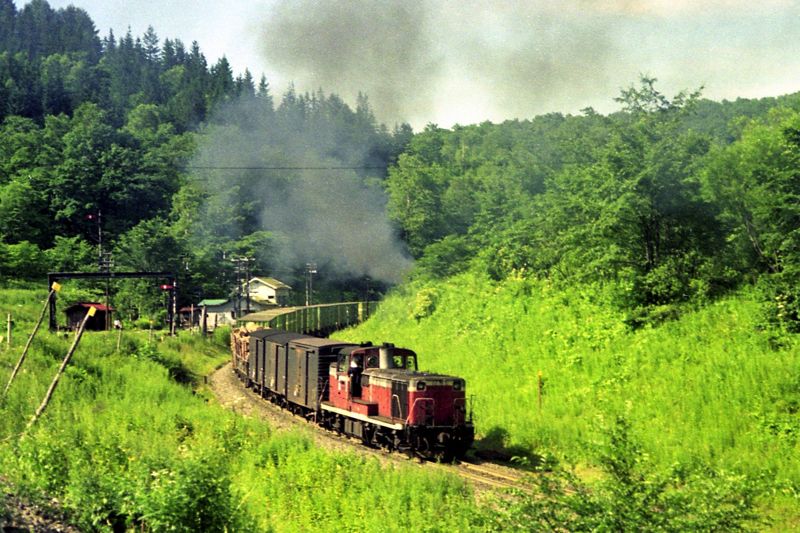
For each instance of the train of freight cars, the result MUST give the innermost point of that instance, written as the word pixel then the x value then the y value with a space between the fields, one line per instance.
pixel 374 393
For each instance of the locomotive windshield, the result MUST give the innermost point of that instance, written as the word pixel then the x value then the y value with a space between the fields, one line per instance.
pixel 404 361
pixel 408 362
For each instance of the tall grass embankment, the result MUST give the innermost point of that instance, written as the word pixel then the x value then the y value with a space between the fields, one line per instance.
pixel 129 443
pixel 712 389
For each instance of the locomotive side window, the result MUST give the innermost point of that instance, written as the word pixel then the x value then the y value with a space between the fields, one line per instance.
pixel 341 365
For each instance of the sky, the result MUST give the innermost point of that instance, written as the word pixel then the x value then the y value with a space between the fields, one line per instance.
pixel 467 61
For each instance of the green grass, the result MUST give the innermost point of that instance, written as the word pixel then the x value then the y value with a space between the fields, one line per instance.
pixel 711 388
pixel 130 440
pixel 124 444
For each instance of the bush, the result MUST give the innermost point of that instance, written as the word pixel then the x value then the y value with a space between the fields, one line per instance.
pixel 22 260
pixel 424 303
pixel 222 336
pixel 634 497
pixel 196 495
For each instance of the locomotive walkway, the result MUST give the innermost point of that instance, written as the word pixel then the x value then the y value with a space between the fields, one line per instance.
pixel 320 319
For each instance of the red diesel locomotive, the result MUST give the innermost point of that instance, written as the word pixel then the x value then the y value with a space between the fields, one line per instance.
pixel 374 393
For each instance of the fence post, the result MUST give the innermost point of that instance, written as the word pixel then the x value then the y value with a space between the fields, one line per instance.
pixel 541 386
pixel 55 288
pixel 64 363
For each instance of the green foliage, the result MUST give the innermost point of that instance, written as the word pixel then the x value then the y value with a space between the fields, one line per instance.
pixel 634 496
pixel 424 303
pixel 447 257
pixel 706 387
pixel 124 447
pixel 222 336
pixel 21 260
pixel 195 496
pixel 70 254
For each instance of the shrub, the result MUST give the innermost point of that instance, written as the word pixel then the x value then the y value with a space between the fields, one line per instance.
pixel 195 495
pixel 222 336
pixel 634 497
pixel 424 303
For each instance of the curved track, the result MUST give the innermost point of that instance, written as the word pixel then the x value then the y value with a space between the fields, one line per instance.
pixel 231 393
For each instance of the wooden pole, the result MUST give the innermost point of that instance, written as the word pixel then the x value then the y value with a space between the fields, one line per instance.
pixel 28 344
pixel 119 336
pixel 61 369
pixel 8 338
pixel 541 386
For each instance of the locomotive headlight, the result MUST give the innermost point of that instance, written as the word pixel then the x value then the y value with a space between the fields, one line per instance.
pixel 457 385
pixel 420 385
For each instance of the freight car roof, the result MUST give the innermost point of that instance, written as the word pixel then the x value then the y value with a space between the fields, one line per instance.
pixel 320 343
pixel 282 337
pixel 266 333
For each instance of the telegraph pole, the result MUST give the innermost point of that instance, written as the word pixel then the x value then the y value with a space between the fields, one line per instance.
pixel 311 269
pixel 242 270
pixel 106 264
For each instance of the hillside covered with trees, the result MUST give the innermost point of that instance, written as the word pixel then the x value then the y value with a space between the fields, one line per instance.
pixel 100 135
pixel 675 200
pixel 619 291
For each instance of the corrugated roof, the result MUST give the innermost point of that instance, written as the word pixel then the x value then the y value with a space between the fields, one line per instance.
pixel 211 301
pixel 272 283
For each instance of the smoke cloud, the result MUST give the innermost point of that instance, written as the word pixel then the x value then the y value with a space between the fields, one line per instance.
pixel 382 48
pixel 340 223
pixel 466 61
pixel 410 56
pixel 276 179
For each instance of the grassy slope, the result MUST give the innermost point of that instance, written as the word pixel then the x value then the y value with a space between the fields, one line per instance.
pixel 123 443
pixel 709 387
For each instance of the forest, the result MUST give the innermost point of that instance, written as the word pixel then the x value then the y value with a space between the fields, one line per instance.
pixel 644 264
pixel 672 199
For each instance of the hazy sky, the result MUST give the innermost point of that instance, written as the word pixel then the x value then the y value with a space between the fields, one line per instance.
pixel 466 61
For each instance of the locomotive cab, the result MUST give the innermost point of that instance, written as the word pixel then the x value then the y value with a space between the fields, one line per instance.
pixel 384 386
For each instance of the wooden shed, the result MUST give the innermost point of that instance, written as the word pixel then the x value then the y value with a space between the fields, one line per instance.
pixel 77 311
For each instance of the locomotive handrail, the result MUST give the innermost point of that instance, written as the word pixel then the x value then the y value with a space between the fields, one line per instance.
pixel 399 406
pixel 459 415
pixel 414 409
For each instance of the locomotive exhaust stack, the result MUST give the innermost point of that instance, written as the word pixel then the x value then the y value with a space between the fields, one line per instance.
pixel 385 356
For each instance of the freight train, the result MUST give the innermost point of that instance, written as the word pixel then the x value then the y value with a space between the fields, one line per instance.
pixel 373 393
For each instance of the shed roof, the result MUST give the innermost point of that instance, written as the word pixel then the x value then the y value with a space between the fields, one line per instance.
pixel 271 283
pixel 87 305
pixel 212 301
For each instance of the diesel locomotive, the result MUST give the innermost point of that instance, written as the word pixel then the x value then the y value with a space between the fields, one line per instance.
pixel 373 393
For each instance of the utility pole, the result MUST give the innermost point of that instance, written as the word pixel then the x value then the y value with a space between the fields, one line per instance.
pixel 242 270
pixel 311 269
pixel 105 265
pixel 247 280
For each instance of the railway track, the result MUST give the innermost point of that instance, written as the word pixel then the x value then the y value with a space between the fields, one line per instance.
pixel 232 394
pixel 493 475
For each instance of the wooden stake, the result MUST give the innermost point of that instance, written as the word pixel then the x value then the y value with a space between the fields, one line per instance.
pixel 61 369
pixel 119 338
pixel 541 386
pixel 28 344
pixel 8 338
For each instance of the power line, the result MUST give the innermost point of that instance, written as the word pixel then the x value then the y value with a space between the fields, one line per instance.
pixel 204 167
